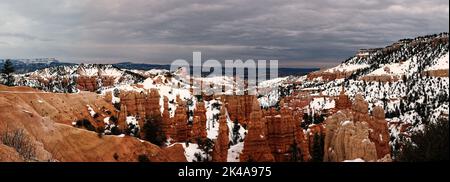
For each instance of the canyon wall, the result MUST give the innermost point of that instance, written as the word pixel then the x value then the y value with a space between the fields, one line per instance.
pixel 328 76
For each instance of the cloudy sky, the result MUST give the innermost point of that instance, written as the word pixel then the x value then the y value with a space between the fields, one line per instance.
pixel 298 33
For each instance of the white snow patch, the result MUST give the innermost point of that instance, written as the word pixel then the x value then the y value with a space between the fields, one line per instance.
pixel 355 160
pixel 27 111
pixel 439 64
pixel 91 111
pixel 191 150
pixel 106 120
pixel 234 152
pixel 345 123
pixel 347 68
pixel 131 120
pixel 393 69
pixel 318 104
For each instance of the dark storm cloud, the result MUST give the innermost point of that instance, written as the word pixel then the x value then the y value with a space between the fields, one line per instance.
pixel 298 33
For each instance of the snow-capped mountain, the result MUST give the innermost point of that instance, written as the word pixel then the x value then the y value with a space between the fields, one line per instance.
pixel 72 78
pixel 409 79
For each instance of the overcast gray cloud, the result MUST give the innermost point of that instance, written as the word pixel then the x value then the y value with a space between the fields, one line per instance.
pixel 297 33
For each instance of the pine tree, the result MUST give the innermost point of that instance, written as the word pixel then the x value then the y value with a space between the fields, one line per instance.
pixel 296 154
pixel 317 155
pixel 402 107
pixel 236 129
pixel 8 69
pixel 153 130
pixel 209 144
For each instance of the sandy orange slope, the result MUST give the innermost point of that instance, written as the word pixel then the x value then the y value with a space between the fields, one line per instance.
pixel 46 118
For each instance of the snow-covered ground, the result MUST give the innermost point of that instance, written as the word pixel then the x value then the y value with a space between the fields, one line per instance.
pixel 318 104
pixel 347 68
pixel 439 64
pixel 393 69
pixel 235 149
pixel 269 99
pixel 212 124
pixel 234 152
pixel 190 150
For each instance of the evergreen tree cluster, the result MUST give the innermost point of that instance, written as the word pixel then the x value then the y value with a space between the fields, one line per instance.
pixel 7 73
pixel 236 136
pixel 318 148
pixel 153 132
pixel 432 144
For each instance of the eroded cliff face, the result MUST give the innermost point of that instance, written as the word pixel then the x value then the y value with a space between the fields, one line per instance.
pixel 273 135
pixel 137 104
pixel 436 73
pixel 284 133
pixel 256 146
pixel 54 139
pixel 240 107
pixel 87 83
pixel 198 130
pixel 353 133
pixel 92 83
pixel 145 104
pixel 329 76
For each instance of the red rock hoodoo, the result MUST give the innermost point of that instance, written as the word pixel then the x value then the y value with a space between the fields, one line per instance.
pixel 284 133
pixel 220 151
pixel 353 133
pixel 199 122
pixel 239 107
pixel 181 121
pixel 256 146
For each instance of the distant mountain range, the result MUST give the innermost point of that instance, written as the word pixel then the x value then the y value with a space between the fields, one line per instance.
pixel 31 65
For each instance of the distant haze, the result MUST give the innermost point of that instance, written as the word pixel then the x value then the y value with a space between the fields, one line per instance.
pixel 298 33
